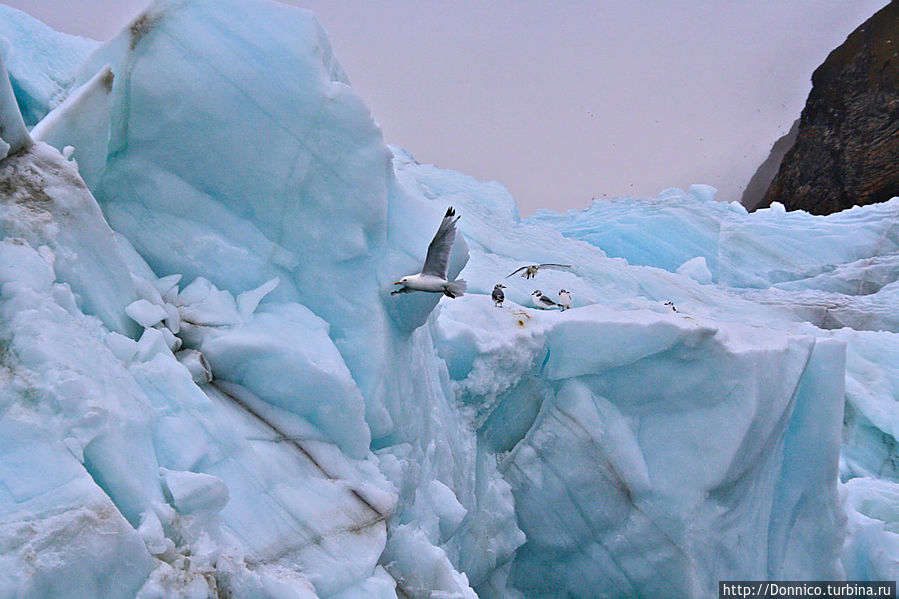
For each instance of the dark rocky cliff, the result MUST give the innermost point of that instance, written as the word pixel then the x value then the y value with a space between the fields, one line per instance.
pixel 847 146
pixel 757 187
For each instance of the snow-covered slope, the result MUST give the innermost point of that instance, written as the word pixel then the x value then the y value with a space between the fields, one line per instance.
pixel 207 389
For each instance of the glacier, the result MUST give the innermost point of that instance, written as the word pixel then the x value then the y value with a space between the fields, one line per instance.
pixel 208 391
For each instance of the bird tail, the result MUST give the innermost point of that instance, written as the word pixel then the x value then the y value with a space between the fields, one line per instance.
pixel 455 288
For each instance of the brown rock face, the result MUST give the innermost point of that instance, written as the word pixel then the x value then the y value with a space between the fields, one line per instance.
pixel 847 147
pixel 755 191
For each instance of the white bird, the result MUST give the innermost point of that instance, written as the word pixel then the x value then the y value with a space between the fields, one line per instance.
pixel 531 270
pixel 498 295
pixel 543 302
pixel 433 275
pixel 564 299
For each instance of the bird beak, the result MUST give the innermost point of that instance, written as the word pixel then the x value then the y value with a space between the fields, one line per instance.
pixel 398 283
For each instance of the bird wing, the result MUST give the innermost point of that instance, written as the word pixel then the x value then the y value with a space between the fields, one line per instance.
pixel 557 266
pixel 437 260
pixel 516 271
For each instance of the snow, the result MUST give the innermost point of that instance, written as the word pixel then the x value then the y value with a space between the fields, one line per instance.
pixel 208 390
pixel 144 313
pixel 50 207
pixel 194 491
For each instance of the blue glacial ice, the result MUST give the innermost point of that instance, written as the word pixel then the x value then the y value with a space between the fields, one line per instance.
pixel 42 63
pixel 207 389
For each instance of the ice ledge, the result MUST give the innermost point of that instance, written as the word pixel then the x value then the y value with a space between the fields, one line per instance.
pixel 653 438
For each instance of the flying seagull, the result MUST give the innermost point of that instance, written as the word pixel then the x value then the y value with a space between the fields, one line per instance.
pixel 432 277
pixel 543 302
pixel 531 271
pixel 498 295
pixel 564 299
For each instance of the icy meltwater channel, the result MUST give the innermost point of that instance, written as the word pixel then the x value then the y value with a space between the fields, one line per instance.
pixel 208 390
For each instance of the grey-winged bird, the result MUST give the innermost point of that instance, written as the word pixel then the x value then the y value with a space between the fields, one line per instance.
pixel 543 302
pixel 531 270
pixel 498 295
pixel 433 277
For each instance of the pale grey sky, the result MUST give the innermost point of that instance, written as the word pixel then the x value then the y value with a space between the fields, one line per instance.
pixel 564 101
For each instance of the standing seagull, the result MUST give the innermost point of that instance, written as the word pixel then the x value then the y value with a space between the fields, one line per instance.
pixel 498 295
pixel 543 302
pixel 564 299
pixel 531 271
pixel 432 277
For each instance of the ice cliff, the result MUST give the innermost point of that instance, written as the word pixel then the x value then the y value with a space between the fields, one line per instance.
pixel 206 389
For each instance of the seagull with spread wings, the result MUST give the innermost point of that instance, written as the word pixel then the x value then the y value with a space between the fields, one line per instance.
pixel 433 275
pixel 531 270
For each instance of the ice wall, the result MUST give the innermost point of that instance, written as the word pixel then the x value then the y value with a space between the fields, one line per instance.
pixel 768 248
pixel 41 62
pixel 122 477
pixel 80 125
pixel 215 371
pixel 635 465
pixel 838 273
pixel 13 135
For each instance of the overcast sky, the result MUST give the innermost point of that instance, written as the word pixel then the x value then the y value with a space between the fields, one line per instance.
pixel 570 100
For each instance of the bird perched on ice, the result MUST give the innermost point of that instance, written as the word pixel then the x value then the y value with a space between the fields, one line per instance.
pixel 498 295
pixel 671 305
pixel 543 302
pixel 432 277
pixel 564 299
pixel 531 270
